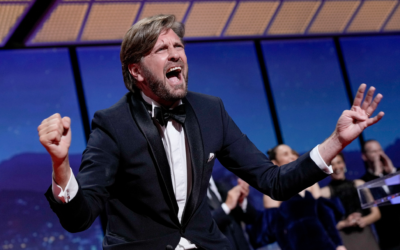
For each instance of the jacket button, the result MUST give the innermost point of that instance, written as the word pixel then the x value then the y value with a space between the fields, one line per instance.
pixel 169 247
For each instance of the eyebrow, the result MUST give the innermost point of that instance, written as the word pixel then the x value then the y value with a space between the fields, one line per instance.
pixel 164 44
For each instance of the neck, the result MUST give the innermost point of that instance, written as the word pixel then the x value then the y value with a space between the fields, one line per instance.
pixel 152 99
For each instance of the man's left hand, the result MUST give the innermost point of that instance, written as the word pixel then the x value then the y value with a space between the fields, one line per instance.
pixel 352 122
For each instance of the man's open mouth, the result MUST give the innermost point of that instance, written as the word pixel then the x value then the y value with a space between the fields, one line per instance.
pixel 174 74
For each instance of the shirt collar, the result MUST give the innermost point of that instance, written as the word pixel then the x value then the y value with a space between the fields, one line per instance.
pixel 156 104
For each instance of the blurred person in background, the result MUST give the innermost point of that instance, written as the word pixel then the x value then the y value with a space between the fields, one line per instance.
pixel 376 161
pixel 230 208
pixel 354 228
pixel 280 155
pixel 378 164
pixel 304 222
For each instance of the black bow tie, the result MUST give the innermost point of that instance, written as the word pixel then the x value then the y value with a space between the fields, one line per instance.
pixel 163 115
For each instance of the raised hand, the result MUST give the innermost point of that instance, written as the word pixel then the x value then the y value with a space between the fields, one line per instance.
pixel 352 122
pixel 55 136
pixel 233 197
pixel 244 191
pixel 387 164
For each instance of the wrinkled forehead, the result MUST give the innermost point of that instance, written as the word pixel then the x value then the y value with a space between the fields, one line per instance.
pixel 168 34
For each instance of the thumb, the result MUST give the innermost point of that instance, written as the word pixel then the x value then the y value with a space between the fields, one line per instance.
pixel 357 116
pixel 66 122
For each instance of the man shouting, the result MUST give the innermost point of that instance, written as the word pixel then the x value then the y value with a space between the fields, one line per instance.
pixel 149 157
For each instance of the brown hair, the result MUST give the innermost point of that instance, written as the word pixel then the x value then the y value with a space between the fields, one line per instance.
pixel 272 152
pixel 140 39
pixel 341 155
pixel 365 144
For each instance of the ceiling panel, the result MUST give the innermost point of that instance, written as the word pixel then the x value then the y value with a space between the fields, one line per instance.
pixel 333 16
pixel 251 18
pixel 109 21
pixel 62 25
pixel 207 19
pixel 394 22
pixel 10 14
pixel 293 17
pixel 371 15
pixel 154 8
pixel 106 21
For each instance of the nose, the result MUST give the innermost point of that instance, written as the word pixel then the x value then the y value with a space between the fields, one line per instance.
pixel 173 54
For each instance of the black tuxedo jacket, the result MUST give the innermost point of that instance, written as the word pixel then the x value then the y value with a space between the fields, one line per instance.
pixel 125 171
pixel 230 224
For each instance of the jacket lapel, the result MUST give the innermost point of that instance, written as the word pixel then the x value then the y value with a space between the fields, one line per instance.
pixel 149 130
pixel 195 141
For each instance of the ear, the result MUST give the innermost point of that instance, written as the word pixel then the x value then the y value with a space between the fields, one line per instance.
pixel 363 157
pixel 136 71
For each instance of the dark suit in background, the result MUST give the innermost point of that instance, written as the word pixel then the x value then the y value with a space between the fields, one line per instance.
pixel 230 224
pixel 125 171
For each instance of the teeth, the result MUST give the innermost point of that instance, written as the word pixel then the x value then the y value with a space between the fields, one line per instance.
pixel 173 69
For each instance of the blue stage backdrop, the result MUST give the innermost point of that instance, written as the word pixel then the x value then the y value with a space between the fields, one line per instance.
pixel 306 83
pixel 35 84
pixel 230 71
pixel 102 77
pixel 309 94
pixel 376 62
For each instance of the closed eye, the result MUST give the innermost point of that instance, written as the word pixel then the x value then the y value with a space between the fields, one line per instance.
pixel 161 48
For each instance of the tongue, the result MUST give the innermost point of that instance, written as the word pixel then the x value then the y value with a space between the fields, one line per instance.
pixel 173 79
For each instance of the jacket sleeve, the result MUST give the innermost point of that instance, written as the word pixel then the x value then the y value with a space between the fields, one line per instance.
pixel 97 172
pixel 239 155
pixel 222 219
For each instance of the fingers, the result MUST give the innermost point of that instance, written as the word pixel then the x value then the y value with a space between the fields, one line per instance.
pixel 244 190
pixel 66 122
pixel 377 118
pixel 48 120
pixel 368 98
pixel 50 127
pixel 356 115
pixel 235 191
pixel 371 108
pixel 359 95
pixel 53 128
pixel 242 183
pixel 369 104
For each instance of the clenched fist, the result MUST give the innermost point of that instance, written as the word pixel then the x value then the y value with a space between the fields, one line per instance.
pixel 55 136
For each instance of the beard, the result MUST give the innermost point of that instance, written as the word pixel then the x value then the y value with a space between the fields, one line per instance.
pixel 161 89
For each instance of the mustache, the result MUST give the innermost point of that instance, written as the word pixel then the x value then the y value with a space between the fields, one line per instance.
pixel 169 65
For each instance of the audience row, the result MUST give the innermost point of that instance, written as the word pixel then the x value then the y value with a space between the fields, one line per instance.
pixel 326 218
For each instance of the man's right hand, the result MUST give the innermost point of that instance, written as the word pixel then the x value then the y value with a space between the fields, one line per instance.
pixel 55 136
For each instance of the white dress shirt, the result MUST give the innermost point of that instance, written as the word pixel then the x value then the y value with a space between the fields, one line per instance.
pixel 173 138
